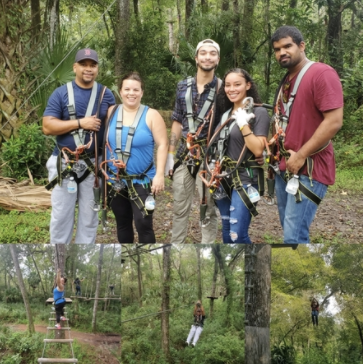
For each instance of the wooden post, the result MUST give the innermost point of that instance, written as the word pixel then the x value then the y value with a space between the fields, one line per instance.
pixel 257 304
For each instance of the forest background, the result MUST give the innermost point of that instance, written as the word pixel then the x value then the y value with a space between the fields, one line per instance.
pixel 27 276
pixel 157 38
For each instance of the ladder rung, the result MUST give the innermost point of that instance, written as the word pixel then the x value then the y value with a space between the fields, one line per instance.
pixel 58 340
pixel 54 319
pixel 56 360
pixel 53 312
pixel 62 328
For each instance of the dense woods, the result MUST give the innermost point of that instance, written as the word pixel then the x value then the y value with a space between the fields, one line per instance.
pixel 27 277
pixel 333 275
pixel 160 286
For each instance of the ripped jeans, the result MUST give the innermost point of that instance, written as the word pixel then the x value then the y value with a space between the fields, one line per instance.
pixel 236 219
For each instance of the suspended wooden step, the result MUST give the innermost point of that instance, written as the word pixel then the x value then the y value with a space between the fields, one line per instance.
pixel 57 360
pixel 58 340
pixel 62 328
pixel 51 300
pixel 54 319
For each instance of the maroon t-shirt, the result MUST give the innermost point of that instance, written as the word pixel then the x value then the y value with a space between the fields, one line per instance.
pixel 320 90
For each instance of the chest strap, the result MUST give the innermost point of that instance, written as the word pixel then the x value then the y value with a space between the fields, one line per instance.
pixel 125 154
pixel 79 135
pixel 193 124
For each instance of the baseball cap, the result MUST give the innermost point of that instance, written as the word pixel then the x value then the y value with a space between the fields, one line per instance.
pixel 86 53
pixel 207 42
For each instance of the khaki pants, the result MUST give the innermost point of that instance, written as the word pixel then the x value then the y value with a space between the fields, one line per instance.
pixel 183 193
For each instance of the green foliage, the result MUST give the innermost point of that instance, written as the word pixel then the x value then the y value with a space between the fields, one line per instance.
pixel 283 354
pixel 24 227
pixel 12 295
pixel 30 150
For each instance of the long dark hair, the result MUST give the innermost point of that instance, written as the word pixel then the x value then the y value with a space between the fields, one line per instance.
pixel 223 103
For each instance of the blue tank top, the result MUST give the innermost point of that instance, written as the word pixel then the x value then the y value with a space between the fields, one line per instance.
pixel 58 296
pixel 142 148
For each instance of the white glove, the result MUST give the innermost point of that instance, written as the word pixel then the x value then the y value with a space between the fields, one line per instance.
pixel 242 118
pixel 169 164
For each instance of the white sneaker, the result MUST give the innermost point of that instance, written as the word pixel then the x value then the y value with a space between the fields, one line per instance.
pixel 58 326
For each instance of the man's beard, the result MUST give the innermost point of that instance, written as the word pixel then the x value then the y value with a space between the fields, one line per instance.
pixel 206 69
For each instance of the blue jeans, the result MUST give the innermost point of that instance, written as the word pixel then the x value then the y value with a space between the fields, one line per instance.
pixel 236 219
pixel 296 218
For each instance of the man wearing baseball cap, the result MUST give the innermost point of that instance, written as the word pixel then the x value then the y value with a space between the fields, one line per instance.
pixel 74 113
pixel 192 122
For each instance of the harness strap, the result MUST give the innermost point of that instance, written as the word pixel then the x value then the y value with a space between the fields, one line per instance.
pixel 79 135
pixel 288 105
pixel 125 155
pixel 193 124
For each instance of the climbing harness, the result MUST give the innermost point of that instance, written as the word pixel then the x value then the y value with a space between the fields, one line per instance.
pixel 279 124
pixel 226 171
pixel 73 167
pixel 120 182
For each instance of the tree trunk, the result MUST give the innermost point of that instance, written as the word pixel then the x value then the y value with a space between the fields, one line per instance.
pixel 139 277
pixel 204 6
pixel 165 302
pixel 247 35
pixel 171 31
pixel 199 275
pixel 122 27
pixel 225 5
pixel 29 316
pixel 236 35
pixel 36 20
pixel 257 304
pixel 136 8
pixel 60 257
pixel 360 331
pixel 189 6
pixel 214 286
pixel 98 284
pixel 53 21
pixel 334 33
pixel 36 268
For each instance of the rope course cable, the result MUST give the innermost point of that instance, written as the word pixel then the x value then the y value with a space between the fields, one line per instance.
pixel 65 57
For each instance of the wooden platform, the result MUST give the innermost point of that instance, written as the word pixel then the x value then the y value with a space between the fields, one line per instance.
pixel 57 360
pixel 62 328
pixel 58 341
pixel 50 301
pixel 54 319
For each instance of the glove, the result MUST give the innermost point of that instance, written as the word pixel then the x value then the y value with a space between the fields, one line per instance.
pixel 169 164
pixel 242 118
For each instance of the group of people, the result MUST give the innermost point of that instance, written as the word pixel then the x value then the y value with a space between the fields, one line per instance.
pixel 221 128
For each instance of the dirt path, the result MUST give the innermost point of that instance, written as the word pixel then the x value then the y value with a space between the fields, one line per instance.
pixel 103 343
pixel 339 219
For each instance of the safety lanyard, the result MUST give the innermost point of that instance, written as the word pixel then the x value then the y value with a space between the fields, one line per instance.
pixel 125 155
pixel 79 135
pixel 193 124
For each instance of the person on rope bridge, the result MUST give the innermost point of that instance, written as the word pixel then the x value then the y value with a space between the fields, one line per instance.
pixel 309 111
pixel 77 282
pixel 75 114
pixel 131 175
pixel 111 287
pixel 235 150
pixel 197 326
pixel 315 311
pixel 58 296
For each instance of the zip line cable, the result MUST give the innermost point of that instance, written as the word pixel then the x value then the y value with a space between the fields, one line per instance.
pixel 65 57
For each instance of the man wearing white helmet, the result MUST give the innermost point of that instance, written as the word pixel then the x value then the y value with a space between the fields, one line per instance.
pixel 193 122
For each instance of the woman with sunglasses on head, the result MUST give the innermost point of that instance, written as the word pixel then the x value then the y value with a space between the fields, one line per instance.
pixel 243 139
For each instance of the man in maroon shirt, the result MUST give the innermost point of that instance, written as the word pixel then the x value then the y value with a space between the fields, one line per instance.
pixel 315 116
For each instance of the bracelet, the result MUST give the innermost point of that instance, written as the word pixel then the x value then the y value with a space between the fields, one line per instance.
pixel 79 124
pixel 247 134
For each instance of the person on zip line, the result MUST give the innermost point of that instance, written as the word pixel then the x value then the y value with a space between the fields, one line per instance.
pixel 308 118
pixel 197 326
pixel 58 296
pixel 75 113
pixel 131 175
pixel 315 311
pixel 193 118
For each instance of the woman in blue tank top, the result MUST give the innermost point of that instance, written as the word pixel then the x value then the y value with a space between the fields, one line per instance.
pixel 132 133
pixel 59 300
